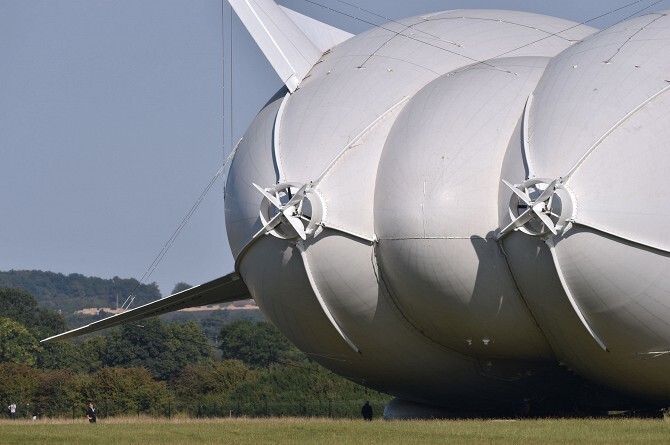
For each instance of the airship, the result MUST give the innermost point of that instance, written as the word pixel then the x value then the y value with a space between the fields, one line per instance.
pixel 463 209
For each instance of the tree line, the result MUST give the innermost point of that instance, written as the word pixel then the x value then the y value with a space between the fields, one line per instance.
pixel 69 293
pixel 157 368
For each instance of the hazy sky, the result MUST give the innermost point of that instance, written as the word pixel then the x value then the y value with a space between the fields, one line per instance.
pixel 112 123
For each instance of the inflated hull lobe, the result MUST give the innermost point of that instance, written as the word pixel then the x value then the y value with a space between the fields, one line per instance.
pixel 405 243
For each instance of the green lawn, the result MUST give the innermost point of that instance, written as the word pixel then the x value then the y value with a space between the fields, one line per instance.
pixel 147 431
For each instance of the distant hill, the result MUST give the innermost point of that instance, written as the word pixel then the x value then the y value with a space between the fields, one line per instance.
pixel 69 293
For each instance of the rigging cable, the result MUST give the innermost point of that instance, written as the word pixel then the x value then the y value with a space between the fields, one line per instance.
pixel 147 274
pixel 129 301
pixel 589 21
pixel 483 62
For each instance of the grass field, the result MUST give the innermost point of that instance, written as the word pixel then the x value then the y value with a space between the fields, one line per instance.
pixel 149 431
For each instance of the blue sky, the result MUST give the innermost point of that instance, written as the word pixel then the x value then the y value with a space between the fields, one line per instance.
pixel 113 120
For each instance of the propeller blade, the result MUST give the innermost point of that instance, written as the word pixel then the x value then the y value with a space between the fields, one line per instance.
pixel 547 222
pixel 297 225
pixel 268 226
pixel 518 222
pixel 524 218
pixel 524 197
pixel 271 198
pixel 297 197
pixel 547 192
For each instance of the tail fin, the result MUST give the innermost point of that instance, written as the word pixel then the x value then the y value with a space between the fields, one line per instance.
pixel 281 38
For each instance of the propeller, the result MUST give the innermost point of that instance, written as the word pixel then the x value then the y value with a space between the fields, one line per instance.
pixel 291 212
pixel 539 207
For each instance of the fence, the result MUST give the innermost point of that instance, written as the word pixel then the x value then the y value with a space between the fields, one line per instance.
pixel 105 408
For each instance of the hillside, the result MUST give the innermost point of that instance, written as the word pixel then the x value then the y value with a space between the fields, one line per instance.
pixel 72 294
pixel 69 293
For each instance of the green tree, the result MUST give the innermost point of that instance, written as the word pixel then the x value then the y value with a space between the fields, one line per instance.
pixel 22 307
pixel 302 388
pixel 204 390
pixel 180 287
pixel 211 322
pixel 17 304
pixel 119 391
pixel 19 384
pixel 57 392
pixel 163 349
pixel 187 344
pixel 218 378
pixel 258 344
pixel 93 352
pixel 61 355
pixel 17 345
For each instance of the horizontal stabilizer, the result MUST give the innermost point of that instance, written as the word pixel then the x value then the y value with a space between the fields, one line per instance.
pixel 222 290
pixel 287 48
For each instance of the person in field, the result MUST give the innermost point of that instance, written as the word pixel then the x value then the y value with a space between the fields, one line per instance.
pixel 366 411
pixel 90 413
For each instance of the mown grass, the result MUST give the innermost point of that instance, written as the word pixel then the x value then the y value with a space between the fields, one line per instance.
pixel 147 431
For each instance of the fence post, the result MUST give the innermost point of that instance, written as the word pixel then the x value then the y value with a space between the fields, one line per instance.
pixel 73 412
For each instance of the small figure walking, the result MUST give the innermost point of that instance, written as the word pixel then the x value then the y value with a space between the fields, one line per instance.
pixel 366 411
pixel 12 410
pixel 90 413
